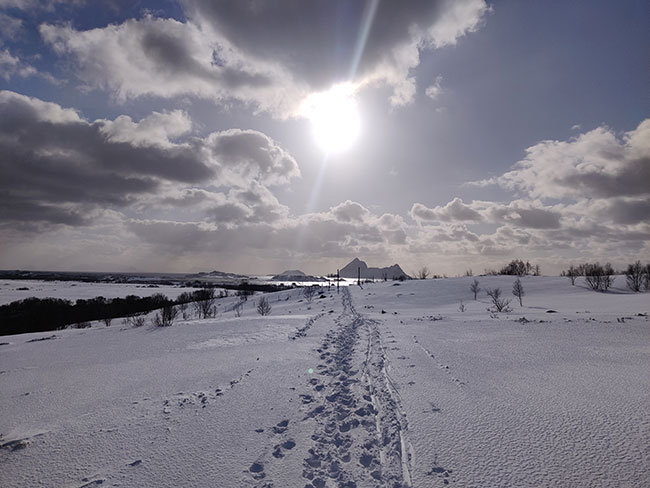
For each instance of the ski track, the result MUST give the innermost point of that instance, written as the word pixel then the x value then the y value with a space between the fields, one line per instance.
pixel 359 428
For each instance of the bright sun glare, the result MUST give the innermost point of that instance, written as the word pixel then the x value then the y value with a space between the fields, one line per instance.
pixel 334 118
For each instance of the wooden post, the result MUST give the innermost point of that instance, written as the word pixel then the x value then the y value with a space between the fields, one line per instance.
pixel 338 281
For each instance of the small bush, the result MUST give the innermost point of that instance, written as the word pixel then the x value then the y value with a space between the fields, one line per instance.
pixel 263 306
pixel 136 320
pixel 165 316
pixel 500 304
pixel 308 292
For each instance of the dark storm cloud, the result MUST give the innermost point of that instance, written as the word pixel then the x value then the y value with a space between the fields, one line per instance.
pixel 317 39
pixel 627 211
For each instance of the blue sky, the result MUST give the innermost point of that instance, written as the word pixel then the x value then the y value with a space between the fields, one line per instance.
pixel 173 136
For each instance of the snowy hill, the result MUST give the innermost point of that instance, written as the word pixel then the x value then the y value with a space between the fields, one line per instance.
pixel 382 386
pixel 352 269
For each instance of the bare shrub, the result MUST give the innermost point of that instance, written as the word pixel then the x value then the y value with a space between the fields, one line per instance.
pixel 136 320
pixel 422 273
pixel 182 308
pixel 263 306
pixel 244 294
pixel 500 304
pixel 518 291
pixel 475 288
pixel 107 321
pixel 634 276
pixel 308 292
pixel 646 278
pixel 469 272
pixel 165 316
pixel 461 307
pixel 238 308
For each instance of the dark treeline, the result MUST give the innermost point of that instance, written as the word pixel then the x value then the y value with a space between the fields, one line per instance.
pixel 45 314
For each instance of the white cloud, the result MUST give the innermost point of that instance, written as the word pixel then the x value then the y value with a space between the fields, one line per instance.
pixel 434 91
pixel 157 128
pixel 11 66
pixel 596 164
pixel 264 54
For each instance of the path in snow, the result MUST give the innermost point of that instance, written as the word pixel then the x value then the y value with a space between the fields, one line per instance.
pixel 360 436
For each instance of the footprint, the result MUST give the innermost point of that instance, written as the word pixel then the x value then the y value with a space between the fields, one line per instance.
pixel 281 427
pixel 258 470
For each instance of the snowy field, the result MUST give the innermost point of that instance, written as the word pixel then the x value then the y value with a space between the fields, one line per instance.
pixel 389 385
pixel 12 290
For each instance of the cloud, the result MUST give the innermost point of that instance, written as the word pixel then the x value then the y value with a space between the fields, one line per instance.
pixel 255 204
pixel 56 166
pixel 453 211
pixel 587 198
pixel 434 91
pixel 10 27
pixel 35 5
pixel 155 129
pixel 11 66
pixel 168 58
pixel 270 54
pixel 596 164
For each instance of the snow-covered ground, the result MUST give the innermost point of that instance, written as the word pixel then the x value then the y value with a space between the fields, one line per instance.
pixel 12 290
pixel 388 385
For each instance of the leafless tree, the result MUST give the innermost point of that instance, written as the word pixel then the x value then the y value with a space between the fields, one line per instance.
pixel 461 307
pixel 263 306
pixel 238 308
pixel 518 291
pixel 107 321
pixel 469 272
pixel 634 276
pixel 500 304
pixel 599 277
pixel 572 273
pixel 204 304
pixel 646 278
pixel 475 288
pixel 422 273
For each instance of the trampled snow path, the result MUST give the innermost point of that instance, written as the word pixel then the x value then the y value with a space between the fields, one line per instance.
pixel 361 432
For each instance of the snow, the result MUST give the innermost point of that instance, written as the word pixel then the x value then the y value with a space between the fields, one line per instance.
pixel 385 385
pixel 12 290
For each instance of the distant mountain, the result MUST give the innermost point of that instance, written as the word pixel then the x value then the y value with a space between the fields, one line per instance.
pixel 295 275
pixel 221 274
pixel 291 272
pixel 393 272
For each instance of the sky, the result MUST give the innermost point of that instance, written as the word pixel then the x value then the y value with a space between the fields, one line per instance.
pixel 257 136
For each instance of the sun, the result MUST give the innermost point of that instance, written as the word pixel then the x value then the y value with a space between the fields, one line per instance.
pixel 334 118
